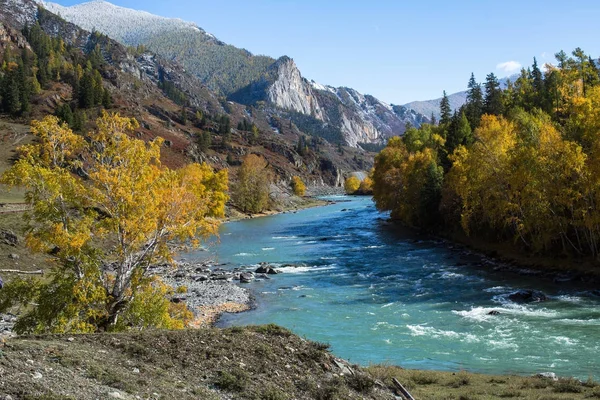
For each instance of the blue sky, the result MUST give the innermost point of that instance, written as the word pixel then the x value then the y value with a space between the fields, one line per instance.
pixel 396 50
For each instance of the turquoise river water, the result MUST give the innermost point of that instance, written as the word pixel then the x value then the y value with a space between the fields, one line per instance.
pixel 378 295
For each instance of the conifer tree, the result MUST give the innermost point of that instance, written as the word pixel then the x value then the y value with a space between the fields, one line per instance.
pixel 459 134
pixel 445 110
pixel 474 106
pixel 493 96
pixel 538 84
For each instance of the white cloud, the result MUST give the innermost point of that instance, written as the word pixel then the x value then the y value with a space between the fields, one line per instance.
pixel 509 66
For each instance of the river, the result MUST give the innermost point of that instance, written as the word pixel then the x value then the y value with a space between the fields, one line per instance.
pixel 378 295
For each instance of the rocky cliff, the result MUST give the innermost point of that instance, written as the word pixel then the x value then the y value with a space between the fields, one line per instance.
pixel 338 114
pixel 290 91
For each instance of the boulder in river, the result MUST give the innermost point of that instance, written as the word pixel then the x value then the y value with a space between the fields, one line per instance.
pixel 494 312
pixel 266 269
pixel 527 296
pixel 246 277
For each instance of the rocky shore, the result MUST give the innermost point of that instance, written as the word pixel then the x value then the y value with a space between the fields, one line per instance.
pixel 207 288
pixel 210 289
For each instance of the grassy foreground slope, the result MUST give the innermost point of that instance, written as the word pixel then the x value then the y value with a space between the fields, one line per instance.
pixel 265 362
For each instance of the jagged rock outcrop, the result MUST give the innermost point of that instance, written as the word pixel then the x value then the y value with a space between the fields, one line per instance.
pixel 364 118
pixel 290 91
pixel 337 114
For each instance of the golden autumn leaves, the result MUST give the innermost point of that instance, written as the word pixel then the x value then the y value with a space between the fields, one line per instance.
pixel 526 178
pixel 107 208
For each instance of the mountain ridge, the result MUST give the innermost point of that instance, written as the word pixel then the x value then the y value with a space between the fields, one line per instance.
pixel 248 79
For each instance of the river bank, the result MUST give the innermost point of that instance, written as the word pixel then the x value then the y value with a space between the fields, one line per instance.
pixel 512 259
pixel 285 202
pixel 259 362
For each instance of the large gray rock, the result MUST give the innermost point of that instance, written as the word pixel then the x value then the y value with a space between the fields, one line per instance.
pixel 266 269
pixel 9 238
pixel 246 277
pixel 527 296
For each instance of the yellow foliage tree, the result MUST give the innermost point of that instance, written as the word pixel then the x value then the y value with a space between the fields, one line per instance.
pixel 298 186
pixel 407 183
pixel 351 185
pixel 251 193
pixel 366 186
pixel 520 178
pixel 106 228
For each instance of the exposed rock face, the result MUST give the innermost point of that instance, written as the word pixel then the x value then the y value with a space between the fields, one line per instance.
pixel 17 12
pixel 342 112
pixel 363 118
pixel 291 92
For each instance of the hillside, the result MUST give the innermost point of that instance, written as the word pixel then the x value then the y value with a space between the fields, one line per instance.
pixel 264 362
pixel 168 102
pixel 223 68
pixel 340 115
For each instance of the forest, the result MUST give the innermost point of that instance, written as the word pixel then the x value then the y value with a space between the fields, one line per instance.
pixel 518 165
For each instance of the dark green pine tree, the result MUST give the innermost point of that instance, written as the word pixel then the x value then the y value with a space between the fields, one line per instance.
pixel 445 110
pixel 225 125
pixel 592 73
pixel 551 94
pixel 537 83
pixel 10 93
pixel 107 100
pixel 459 134
pixel 86 90
pixel 474 105
pixel 65 114
pixel 25 89
pixel 431 196
pixel 98 88
pixel 493 96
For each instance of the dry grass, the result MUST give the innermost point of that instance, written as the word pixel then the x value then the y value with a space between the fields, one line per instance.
pixel 437 385
pixel 265 362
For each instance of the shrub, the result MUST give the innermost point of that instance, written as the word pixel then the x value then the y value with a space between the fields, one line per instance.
pixel 298 186
pixel 233 381
pixel 366 186
pixel 351 185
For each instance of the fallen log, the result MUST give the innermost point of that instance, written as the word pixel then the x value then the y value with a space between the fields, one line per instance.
pixel 402 389
pixel 16 271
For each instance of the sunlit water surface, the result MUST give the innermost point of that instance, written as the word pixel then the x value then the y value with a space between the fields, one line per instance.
pixel 380 296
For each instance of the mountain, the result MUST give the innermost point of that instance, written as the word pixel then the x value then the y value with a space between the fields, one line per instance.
pixel 340 115
pixel 221 67
pixel 333 113
pixel 429 107
pixel 196 123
